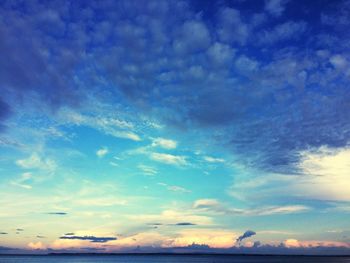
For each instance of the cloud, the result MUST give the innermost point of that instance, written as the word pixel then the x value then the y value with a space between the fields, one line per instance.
pixel 275 7
pixel 210 159
pixel 193 37
pixel 147 170
pixel 164 143
pixel 3 233
pixel 185 224
pixel 58 213
pixel 174 56
pixel 92 239
pixel 169 159
pixel 322 175
pixel 103 118
pixel 215 238
pixel 36 245
pixel 214 206
pixel 220 54
pixel 326 174
pixel 286 31
pixel 231 28
pixel 175 188
pixel 34 161
pixel 102 152
pixel 246 234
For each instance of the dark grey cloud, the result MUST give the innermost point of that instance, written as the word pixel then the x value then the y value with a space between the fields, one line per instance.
pixel 92 239
pixel 246 234
pixel 19 229
pixel 58 213
pixel 39 236
pixel 69 234
pixel 3 233
pixel 184 224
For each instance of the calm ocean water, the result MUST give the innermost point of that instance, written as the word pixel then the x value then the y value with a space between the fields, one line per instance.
pixel 169 259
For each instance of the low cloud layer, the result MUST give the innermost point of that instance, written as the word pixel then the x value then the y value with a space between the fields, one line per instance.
pixel 92 239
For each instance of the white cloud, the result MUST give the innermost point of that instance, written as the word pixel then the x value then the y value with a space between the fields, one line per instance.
pixel 175 188
pixel 147 170
pixel 164 143
pixel 22 181
pixel 213 160
pixel 109 125
pixel 102 152
pixel 169 158
pixel 34 161
pixel 213 205
pixel 324 175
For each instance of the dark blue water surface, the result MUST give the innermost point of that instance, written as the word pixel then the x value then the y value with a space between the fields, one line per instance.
pixel 168 259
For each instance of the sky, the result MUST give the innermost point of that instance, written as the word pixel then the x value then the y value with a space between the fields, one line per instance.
pixel 175 126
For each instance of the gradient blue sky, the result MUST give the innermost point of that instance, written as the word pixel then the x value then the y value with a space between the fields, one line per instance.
pixel 165 123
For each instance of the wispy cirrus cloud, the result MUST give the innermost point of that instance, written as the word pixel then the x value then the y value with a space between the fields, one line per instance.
pixel 214 206
pixel 35 161
pixel 169 158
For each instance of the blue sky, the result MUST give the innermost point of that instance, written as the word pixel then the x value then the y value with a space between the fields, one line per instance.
pixel 160 124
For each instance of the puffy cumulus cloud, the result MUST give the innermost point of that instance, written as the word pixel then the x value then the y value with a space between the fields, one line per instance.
pixel 163 59
pixel 231 28
pixel 275 7
pixel 169 158
pixel 294 243
pixel 282 32
pixel 193 37
pixel 36 245
pixel 102 152
pixel 220 54
pixel 164 143
pixel 30 50
pixel 212 237
pixel 291 243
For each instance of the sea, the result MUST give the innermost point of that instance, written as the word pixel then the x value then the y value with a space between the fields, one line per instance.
pixel 166 259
